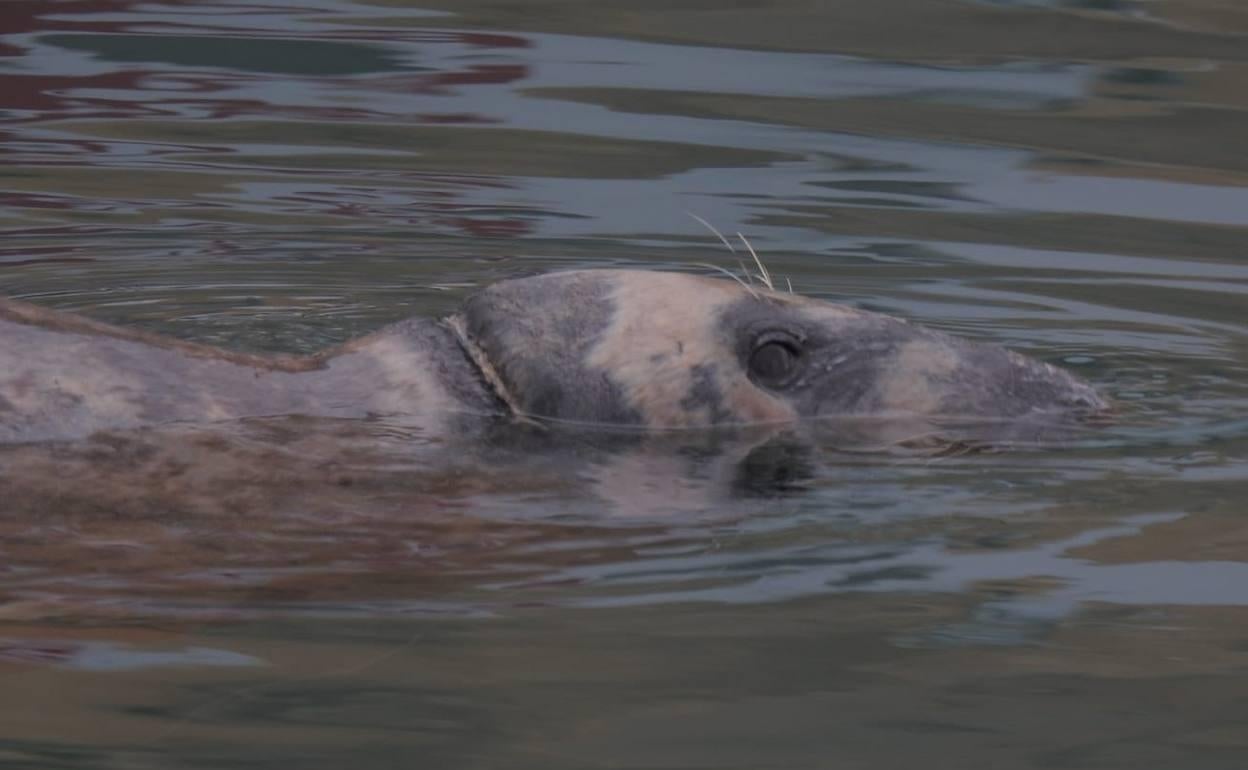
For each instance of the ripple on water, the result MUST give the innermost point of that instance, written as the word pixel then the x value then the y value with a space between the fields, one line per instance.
pixel 1062 177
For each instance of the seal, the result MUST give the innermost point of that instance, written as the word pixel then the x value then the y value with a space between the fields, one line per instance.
pixel 636 348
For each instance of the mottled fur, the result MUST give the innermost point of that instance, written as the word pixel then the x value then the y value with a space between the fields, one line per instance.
pixel 619 347
pixel 63 377
pixel 670 350
pixel 677 365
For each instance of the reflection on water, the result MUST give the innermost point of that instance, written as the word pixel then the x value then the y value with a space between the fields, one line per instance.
pixel 1064 177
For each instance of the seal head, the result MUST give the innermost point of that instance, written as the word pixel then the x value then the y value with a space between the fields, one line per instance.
pixel 670 350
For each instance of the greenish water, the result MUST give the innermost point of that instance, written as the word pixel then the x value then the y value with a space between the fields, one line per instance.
pixel 1064 177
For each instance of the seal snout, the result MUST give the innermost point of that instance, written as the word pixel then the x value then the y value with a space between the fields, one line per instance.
pixel 996 382
pixel 1084 401
pixel 1084 405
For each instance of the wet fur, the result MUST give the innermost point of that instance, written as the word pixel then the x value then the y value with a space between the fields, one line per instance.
pixel 616 347
pixel 678 367
pixel 670 350
pixel 65 377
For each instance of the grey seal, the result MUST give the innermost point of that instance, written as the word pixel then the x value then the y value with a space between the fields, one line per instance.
pixel 632 348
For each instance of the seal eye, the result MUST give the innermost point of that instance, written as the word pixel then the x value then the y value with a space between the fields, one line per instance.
pixel 774 361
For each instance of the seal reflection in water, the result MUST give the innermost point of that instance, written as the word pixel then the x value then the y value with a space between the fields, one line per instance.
pixel 641 349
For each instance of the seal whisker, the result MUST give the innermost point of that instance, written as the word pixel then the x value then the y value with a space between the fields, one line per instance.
pixel 746 272
pixel 763 274
pixel 711 227
pixel 762 269
pixel 722 239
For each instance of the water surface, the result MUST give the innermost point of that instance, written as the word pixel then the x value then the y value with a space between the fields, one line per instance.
pixel 1064 177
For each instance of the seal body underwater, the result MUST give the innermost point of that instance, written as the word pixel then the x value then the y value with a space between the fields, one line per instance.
pixel 644 349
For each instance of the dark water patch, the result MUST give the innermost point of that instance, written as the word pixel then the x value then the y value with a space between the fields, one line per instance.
pixel 1194 137
pixel 891 29
pixel 275 56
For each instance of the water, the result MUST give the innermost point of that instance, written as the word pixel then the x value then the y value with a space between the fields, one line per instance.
pixel 1064 177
